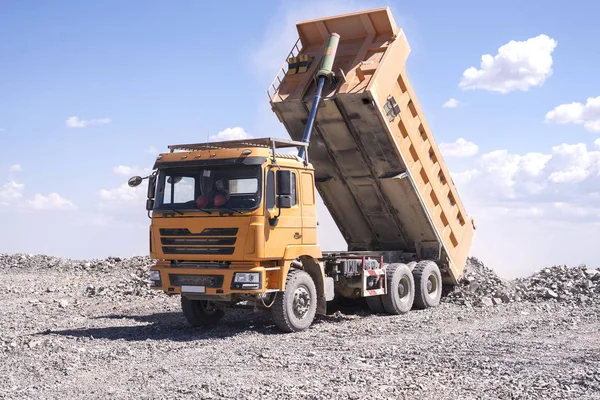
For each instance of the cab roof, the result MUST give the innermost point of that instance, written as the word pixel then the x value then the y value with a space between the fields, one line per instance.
pixel 231 152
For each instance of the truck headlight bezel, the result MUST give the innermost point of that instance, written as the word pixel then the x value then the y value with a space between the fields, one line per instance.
pixel 246 281
pixel 154 277
pixel 246 277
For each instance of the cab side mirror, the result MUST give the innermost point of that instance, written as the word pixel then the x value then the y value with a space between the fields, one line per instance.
pixel 284 189
pixel 151 186
pixel 134 181
pixel 284 201
pixel 284 183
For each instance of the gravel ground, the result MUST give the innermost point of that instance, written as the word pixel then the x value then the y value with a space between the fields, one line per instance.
pixel 92 329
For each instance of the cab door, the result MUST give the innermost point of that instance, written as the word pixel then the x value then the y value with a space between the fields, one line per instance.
pixel 284 210
pixel 309 208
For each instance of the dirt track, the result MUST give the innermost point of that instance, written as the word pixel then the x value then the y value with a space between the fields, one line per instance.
pixel 58 341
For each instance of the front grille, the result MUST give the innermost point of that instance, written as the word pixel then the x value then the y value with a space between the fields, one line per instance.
pixel 210 281
pixel 205 232
pixel 182 241
pixel 197 264
pixel 198 250
pixel 192 241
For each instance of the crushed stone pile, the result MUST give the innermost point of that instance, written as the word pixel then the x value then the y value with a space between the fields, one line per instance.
pixel 574 285
pixel 481 286
pixel 128 276
pixel 135 283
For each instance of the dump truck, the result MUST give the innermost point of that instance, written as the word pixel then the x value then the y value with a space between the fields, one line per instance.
pixel 234 223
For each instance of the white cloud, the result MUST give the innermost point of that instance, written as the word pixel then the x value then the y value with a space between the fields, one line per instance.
pixel 452 103
pixel 53 201
pixel 534 163
pixel 503 166
pixel 465 176
pixel 124 194
pixel 152 149
pixel 547 203
pixel 460 148
pixel 128 171
pixel 231 134
pixel 501 176
pixel 10 192
pixel 587 114
pixel 76 122
pixel 15 168
pixel 597 144
pixel 574 163
pixel 512 173
pixel 519 65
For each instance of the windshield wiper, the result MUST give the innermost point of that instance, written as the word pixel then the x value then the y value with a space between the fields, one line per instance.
pixel 176 211
pixel 233 209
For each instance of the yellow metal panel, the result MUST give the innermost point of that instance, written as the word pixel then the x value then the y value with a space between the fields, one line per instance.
pixel 357 149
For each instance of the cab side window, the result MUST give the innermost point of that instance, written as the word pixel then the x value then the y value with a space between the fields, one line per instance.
pixel 270 190
pixel 294 190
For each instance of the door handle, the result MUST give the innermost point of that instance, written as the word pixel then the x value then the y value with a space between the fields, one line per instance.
pixel 297 235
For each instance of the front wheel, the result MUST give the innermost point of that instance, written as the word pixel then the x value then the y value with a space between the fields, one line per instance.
pixel 200 312
pixel 294 309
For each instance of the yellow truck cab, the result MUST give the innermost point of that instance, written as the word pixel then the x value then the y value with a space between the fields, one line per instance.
pixel 234 224
pixel 229 220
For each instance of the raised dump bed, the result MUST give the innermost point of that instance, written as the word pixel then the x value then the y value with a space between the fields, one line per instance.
pixel 377 166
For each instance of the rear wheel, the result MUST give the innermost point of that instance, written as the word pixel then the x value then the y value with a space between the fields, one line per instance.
pixel 375 305
pixel 400 291
pixel 428 283
pixel 200 312
pixel 294 309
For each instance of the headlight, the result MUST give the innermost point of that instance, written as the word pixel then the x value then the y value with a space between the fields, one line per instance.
pixel 246 281
pixel 155 275
pixel 247 277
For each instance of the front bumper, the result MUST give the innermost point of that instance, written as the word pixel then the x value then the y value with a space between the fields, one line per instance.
pixel 220 282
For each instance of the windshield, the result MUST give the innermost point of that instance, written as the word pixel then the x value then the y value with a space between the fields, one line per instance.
pixel 209 188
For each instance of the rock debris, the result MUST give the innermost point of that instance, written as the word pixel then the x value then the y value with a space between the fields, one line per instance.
pixel 94 329
pixel 481 286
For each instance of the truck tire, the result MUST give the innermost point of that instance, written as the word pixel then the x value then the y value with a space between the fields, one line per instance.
pixel 294 310
pixel 428 284
pixel 200 313
pixel 375 305
pixel 401 290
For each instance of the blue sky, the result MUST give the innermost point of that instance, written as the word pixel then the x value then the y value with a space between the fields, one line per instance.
pixel 152 73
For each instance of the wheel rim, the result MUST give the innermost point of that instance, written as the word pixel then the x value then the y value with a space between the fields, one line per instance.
pixel 404 289
pixel 301 303
pixel 432 286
